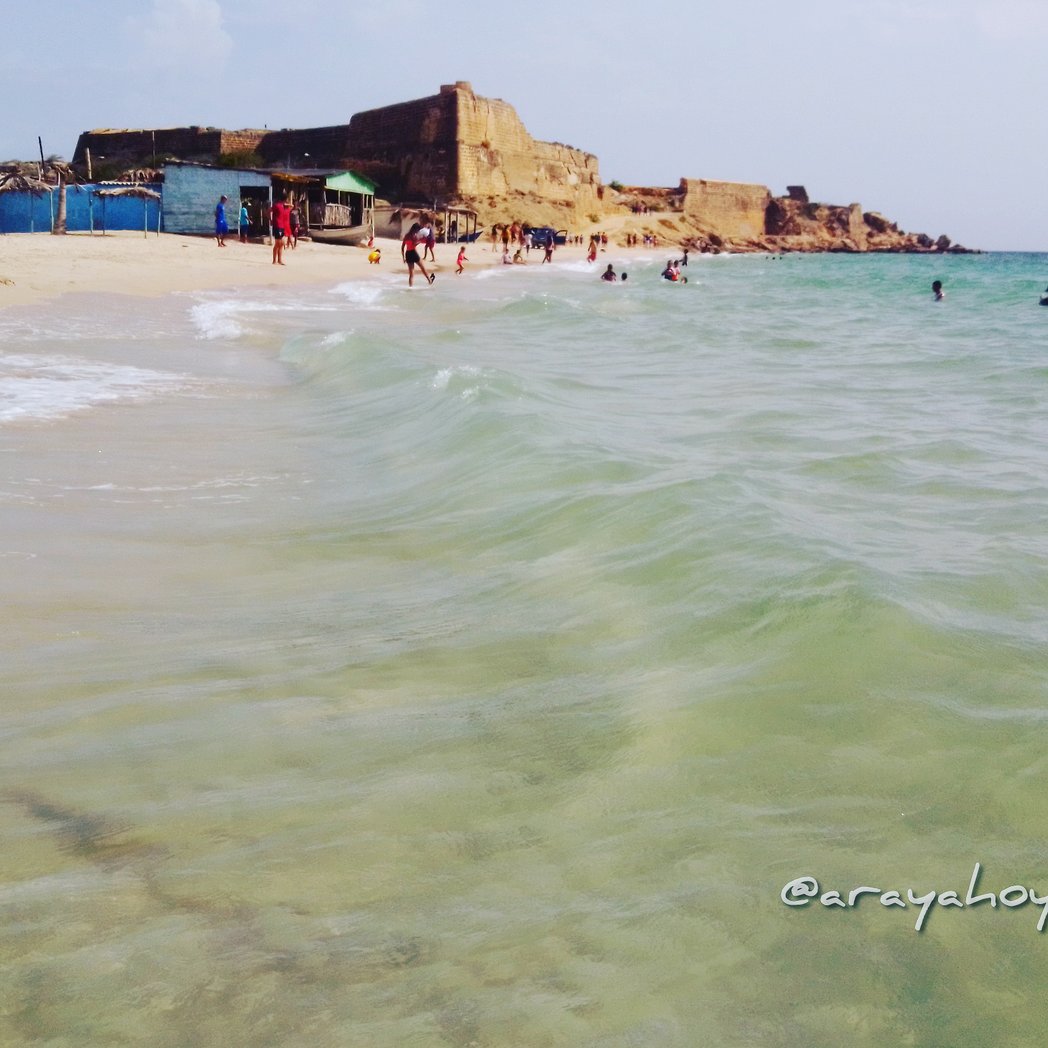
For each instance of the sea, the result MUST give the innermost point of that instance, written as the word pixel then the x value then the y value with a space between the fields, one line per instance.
pixel 528 661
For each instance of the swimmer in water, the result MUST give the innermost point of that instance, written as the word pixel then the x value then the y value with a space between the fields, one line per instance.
pixel 937 290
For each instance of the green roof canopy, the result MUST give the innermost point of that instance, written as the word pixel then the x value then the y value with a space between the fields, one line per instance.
pixel 347 182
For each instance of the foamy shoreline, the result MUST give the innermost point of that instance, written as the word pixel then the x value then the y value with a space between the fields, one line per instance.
pixel 35 267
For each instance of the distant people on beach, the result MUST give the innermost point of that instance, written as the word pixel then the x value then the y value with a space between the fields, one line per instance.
pixel 518 258
pixel 937 290
pixel 609 274
pixel 409 253
pixel 281 225
pixel 461 260
pixel 591 253
pixel 244 223
pixel 221 223
pixel 549 245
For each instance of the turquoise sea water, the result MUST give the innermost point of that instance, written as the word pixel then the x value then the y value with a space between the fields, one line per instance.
pixel 475 665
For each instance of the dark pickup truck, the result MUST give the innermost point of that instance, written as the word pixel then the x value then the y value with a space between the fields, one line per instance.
pixel 541 234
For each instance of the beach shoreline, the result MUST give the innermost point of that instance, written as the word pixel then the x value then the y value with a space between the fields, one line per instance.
pixel 37 267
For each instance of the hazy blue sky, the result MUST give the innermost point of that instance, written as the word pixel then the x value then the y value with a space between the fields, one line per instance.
pixel 930 112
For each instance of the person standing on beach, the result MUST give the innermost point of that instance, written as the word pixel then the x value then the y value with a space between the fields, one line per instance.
pixel 548 257
pixel 294 226
pixel 281 228
pixel 409 253
pixel 461 258
pixel 221 224
pixel 245 221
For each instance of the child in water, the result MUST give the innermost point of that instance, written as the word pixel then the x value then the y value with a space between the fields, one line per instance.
pixel 461 258
pixel 937 290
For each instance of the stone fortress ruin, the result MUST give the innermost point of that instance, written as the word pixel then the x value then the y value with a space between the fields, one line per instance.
pixel 458 149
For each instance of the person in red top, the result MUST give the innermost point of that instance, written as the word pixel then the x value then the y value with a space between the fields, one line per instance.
pixel 409 253
pixel 281 220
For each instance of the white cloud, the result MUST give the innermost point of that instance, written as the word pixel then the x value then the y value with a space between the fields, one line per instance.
pixel 181 34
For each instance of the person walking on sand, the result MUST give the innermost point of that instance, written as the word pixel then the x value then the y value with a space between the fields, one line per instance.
pixel 461 258
pixel 281 229
pixel 409 253
pixel 221 223
pixel 548 256
pixel 245 221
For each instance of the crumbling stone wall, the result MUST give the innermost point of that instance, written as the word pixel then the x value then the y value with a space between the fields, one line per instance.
pixel 734 210
pixel 498 157
pixel 453 146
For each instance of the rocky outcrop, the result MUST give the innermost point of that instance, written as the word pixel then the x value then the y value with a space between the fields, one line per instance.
pixel 793 223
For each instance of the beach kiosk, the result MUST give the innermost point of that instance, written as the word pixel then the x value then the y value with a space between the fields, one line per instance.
pixel 336 207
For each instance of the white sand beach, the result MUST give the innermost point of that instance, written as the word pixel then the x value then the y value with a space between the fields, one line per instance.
pixel 34 267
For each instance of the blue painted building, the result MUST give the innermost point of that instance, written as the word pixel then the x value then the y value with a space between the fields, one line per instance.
pixel 191 192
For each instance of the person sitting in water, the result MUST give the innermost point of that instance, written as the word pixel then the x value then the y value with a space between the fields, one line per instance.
pixel 937 290
pixel 519 259
pixel 609 274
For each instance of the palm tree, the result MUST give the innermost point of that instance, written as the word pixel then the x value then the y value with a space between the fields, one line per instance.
pixel 63 173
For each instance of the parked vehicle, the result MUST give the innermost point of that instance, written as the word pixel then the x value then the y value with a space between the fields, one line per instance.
pixel 541 234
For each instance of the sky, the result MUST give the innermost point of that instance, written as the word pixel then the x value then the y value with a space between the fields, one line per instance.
pixel 931 113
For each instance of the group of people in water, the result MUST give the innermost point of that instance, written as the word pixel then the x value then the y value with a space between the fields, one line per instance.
pixel 939 294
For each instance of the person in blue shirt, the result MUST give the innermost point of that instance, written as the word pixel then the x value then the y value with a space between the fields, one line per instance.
pixel 221 225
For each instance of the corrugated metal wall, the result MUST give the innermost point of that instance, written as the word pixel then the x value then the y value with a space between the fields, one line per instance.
pixel 25 213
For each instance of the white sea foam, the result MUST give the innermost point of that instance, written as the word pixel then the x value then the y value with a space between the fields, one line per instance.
pixel 442 379
pixel 51 387
pixel 226 318
pixel 363 295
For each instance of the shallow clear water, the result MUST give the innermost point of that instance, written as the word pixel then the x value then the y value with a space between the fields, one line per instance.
pixel 474 665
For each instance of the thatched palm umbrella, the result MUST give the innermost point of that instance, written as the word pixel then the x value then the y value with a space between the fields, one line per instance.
pixel 143 194
pixel 15 182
